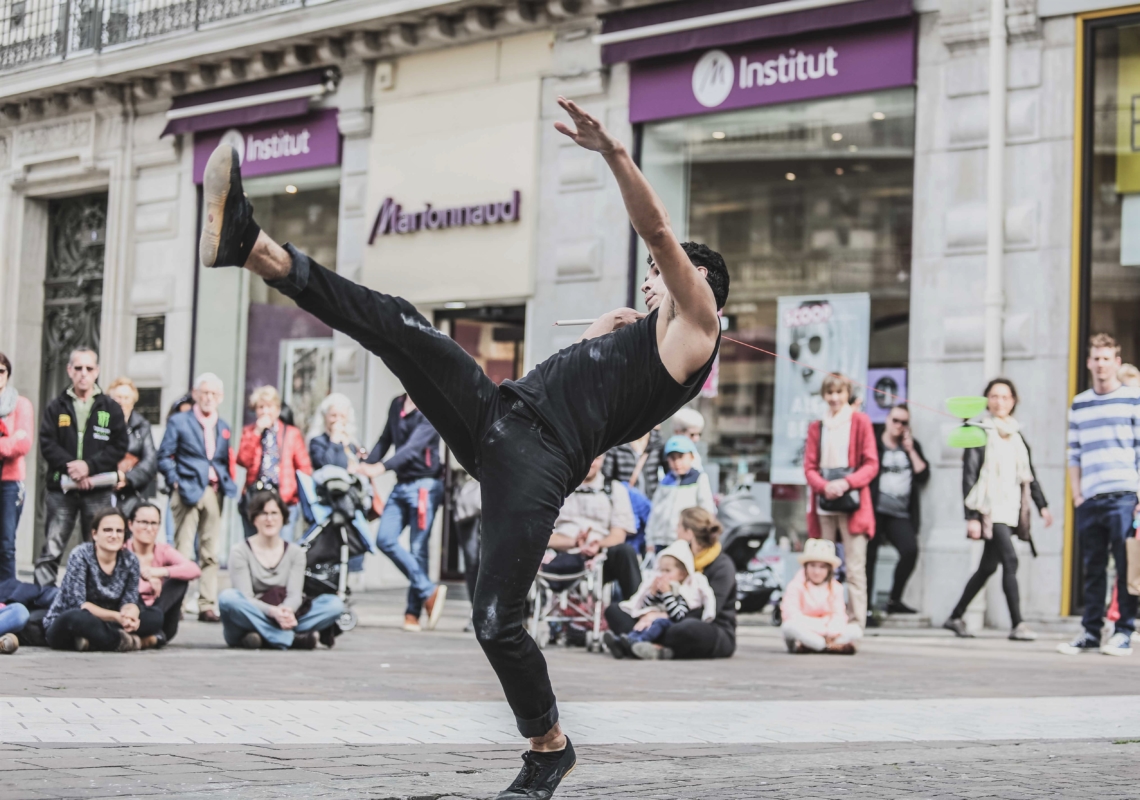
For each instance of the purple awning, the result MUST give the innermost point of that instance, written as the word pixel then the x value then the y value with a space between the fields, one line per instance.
pixel 245 103
pixel 795 22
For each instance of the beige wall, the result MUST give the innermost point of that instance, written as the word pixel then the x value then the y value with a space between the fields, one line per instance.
pixel 459 126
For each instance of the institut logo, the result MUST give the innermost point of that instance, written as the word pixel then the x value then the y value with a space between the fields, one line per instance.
pixel 713 77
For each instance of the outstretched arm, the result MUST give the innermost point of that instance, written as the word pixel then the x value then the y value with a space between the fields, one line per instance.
pixel 650 220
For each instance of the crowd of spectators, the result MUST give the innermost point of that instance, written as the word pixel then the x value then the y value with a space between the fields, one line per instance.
pixel 645 514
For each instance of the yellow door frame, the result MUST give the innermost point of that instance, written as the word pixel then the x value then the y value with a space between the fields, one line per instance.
pixel 1075 280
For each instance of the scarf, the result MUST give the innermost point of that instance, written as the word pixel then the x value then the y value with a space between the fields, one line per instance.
pixel 8 399
pixel 1000 433
pixel 836 438
pixel 706 557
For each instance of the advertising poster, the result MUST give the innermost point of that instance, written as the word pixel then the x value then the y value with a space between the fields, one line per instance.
pixel 890 390
pixel 819 334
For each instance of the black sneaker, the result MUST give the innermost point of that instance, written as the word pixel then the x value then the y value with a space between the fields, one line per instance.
pixel 252 641
pixel 617 645
pixel 899 607
pixel 228 229
pixel 1085 643
pixel 541 774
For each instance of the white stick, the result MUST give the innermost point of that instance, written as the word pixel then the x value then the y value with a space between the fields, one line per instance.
pixel 569 323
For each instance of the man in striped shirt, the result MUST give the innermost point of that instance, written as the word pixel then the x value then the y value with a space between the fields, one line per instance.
pixel 1104 457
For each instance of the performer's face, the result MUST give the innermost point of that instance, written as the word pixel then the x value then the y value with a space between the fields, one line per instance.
pixel 654 288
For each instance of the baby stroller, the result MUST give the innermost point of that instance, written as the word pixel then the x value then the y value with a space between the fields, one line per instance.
pixel 746 516
pixel 567 607
pixel 333 503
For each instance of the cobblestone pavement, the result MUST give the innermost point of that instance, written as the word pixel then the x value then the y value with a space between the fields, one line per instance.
pixel 922 716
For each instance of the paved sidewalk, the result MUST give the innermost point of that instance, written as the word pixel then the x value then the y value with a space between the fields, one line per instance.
pixel 389 715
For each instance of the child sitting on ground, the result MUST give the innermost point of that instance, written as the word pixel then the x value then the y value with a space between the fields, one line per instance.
pixel 670 594
pixel 813 610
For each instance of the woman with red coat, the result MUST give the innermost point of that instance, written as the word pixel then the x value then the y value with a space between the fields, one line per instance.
pixel 271 452
pixel 840 461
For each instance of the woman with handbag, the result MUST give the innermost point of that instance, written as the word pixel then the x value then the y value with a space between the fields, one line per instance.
pixel 840 461
pixel 272 452
pixel 999 484
pixel 139 467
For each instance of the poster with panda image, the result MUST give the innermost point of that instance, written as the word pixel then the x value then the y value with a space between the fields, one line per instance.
pixel 815 335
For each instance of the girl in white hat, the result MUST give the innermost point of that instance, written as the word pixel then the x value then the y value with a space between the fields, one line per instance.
pixel 813 609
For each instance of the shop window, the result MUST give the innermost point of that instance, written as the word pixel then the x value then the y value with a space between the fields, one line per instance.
pixel 285 346
pixel 803 198
pixel 1111 262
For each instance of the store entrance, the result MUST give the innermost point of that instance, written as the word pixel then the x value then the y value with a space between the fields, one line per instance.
pixel 495 337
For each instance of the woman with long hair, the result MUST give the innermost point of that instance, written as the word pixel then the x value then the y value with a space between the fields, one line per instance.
pixel 16 438
pixel 139 467
pixel 164 573
pixel 999 484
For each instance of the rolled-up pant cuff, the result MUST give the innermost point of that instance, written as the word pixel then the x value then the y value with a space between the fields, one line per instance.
pixel 540 726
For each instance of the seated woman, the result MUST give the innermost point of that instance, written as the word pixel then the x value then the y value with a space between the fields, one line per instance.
pixel 97 607
pixel 694 637
pixel 264 607
pixel 164 573
pixel 813 609
pixel 35 600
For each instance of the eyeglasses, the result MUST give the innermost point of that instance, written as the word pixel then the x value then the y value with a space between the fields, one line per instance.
pixel 268 513
pixel 146 523
pixel 815 343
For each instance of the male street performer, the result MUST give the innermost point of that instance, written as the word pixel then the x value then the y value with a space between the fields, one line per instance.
pixel 529 442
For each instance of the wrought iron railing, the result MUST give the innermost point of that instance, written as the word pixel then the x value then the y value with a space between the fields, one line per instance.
pixel 39 30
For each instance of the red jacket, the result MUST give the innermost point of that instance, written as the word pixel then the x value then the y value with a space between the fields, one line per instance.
pixel 863 456
pixel 13 447
pixel 294 456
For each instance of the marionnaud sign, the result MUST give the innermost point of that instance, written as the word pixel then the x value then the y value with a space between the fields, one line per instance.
pixel 762 73
pixel 275 147
pixel 393 219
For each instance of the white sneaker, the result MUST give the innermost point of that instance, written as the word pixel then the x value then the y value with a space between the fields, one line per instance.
pixel 1119 645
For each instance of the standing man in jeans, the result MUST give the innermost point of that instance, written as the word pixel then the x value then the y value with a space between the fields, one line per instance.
pixel 197 462
pixel 82 434
pixel 412 503
pixel 1104 471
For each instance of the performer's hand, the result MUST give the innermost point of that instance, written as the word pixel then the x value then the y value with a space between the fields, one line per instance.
pixel 620 317
pixel 590 133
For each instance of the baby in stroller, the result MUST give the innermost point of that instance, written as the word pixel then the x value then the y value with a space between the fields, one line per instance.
pixel 672 592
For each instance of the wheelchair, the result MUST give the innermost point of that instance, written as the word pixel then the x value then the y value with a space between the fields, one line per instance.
pixel 564 608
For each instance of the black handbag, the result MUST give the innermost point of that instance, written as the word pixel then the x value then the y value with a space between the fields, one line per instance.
pixel 847 502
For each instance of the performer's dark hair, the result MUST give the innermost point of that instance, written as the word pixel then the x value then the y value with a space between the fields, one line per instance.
pixel 704 256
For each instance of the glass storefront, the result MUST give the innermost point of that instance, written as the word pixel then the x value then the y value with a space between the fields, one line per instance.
pixel 1111 220
pixel 803 198
pixel 285 346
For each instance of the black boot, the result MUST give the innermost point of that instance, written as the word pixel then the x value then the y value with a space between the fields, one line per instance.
pixel 541 774
pixel 228 229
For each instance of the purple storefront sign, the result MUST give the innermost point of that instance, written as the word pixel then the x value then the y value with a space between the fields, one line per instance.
pixel 768 72
pixel 275 147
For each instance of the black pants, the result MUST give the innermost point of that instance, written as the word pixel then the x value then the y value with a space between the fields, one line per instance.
pixel 468 531
pixel 60 514
pixel 998 550
pixel 621 566
pixel 99 634
pixel 689 638
pixel 900 533
pixel 524 475
pixel 169 604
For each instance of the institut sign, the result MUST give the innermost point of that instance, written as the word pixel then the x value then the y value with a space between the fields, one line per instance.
pixel 393 219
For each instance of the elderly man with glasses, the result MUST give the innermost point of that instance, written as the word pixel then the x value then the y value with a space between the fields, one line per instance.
pixel 83 436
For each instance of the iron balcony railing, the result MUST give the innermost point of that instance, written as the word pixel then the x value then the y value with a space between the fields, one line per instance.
pixel 41 30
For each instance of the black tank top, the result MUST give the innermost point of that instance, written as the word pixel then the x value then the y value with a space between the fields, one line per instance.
pixel 603 392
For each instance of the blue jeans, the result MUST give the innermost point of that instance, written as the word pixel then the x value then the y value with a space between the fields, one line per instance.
pixel 11 504
pixel 240 616
pixel 1103 523
pixel 13 618
pixel 402 511
pixel 654 632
